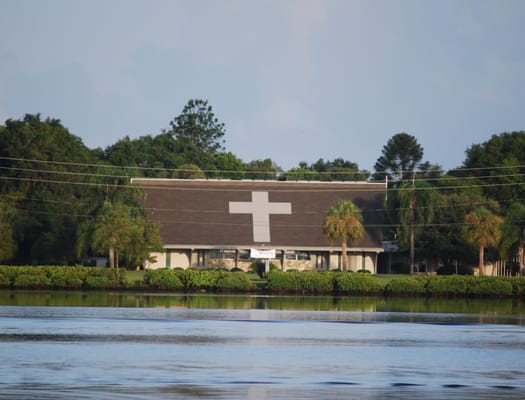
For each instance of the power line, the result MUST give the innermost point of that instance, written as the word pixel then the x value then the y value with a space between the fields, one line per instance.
pixel 211 171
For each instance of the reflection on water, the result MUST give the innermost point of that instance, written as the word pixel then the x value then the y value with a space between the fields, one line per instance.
pixel 203 300
pixel 127 346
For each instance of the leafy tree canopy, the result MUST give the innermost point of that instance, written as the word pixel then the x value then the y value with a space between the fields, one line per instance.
pixel 262 169
pixel 336 170
pixel 499 165
pixel 197 124
pixel 399 158
pixel 41 163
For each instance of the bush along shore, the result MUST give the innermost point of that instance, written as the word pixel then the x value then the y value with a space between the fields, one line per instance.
pixel 278 282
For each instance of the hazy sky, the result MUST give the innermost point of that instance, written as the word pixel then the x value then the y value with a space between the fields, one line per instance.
pixel 292 80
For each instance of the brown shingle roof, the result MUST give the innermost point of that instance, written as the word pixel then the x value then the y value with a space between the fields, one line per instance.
pixel 196 212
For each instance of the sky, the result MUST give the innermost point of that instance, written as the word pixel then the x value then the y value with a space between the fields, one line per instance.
pixel 292 80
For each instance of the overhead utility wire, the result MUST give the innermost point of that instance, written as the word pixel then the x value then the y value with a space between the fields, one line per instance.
pixel 193 222
pixel 189 170
pixel 189 188
pixel 247 171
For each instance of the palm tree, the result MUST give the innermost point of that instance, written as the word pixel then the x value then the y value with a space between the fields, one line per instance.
pixel 482 229
pixel 415 201
pixel 343 222
pixel 513 234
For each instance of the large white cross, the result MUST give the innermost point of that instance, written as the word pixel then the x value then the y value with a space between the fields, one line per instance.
pixel 260 208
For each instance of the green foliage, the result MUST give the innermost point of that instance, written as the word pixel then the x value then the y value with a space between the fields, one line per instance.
pixel 316 282
pixel 201 280
pixel 405 286
pixel 31 281
pixel 518 286
pixel 504 156
pixel 399 158
pixel 33 154
pixel 234 281
pixel 336 170
pixel 262 169
pixel 344 221
pixel 352 283
pixel 189 171
pixel 284 281
pixel 198 125
pixel 454 285
pixel 7 239
pixel 163 279
pixel 229 166
pixel 513 234
pixel 259 268
pixel 99 282
pixel 305 282
pixel 121 231
pixel 412 207
pixel 59 277
pixel 482 228
pixel 5 282
pixel 490 287
pixel 67 277
pixel 445 240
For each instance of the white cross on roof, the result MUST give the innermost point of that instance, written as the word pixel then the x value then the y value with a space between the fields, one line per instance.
pixel 260 208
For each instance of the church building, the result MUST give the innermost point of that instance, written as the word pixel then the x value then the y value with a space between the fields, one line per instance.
pixel 232 223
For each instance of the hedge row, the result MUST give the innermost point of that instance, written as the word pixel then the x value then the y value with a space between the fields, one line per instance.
pixel 323 282
pixel 31 277
pixel 277 281
pixel 366 284
pixel 457 286
pixel 196 280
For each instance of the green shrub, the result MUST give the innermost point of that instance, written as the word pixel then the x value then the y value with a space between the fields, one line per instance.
pixel 453 285
pixel 35 280
pixel 99 282
pixel 279 280
pixel 234 281
pixel 203 280
pixel 518 285
pixel 66 277
pixel 350 283
pixel 485 286
pixel 163 279
pixel 11 273
pixel 316 282
pixel 259 268
pixel 405 286
pixel 4 280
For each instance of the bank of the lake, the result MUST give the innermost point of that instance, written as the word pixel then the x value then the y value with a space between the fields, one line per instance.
pixel 291 282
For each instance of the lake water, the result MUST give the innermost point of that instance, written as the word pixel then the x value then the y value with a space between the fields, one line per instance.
pixel 257 347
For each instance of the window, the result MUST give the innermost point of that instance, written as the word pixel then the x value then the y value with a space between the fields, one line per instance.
pixel 222 254
pixel 297 255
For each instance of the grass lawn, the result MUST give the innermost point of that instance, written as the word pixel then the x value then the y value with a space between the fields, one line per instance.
pixel 134 276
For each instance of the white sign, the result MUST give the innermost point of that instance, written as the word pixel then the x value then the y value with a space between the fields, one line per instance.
pixel 267 254
pixel 260 208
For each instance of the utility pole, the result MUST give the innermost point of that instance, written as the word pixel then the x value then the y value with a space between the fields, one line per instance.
pixel 412 212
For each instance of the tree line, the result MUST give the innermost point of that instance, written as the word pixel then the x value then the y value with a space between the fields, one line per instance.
pixel 61 201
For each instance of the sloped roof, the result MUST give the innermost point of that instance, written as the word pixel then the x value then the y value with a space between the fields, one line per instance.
pixel 217 213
